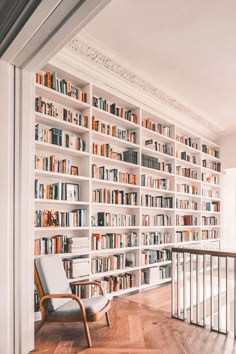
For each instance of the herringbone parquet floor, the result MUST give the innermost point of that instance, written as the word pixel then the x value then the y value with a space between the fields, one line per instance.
pixel 140 324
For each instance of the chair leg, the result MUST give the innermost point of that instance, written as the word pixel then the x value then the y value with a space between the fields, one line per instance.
pixel 107 318
pixel 87 333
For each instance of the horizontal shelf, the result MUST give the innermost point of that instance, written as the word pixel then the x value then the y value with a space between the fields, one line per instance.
pixel 57 175
pixel 108 205
pixel 109 138
pixel 153 170
pixel 211 212
pixel 187 163
pixel 122 292
pixel 188 227
pixel 59 123
pixel 63 202
pixel 112 183
pixel 156 227
pixel 148 132
pixel 101 114
pixel 209 170
pixel 172 244
pixel 205 227
pixel 65 255
pixel 114 250
pixel 210 157
pixel 59 228
pixel 188 195
pixel 187 210
pixel 115 228
pixel 159 282
pixel 157 264
pixel 149 189
pixel 153 152
pixel 85 277
pixel 193 180
pixel 218 186
pixel 115 271
pixel 114 162
pixel 158 208
pixel 60 149
pixel 60 98
pixel 211 198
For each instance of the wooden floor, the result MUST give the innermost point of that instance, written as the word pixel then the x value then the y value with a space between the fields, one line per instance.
pixel 140 324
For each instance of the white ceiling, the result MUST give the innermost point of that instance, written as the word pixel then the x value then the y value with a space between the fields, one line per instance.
pixel 186 48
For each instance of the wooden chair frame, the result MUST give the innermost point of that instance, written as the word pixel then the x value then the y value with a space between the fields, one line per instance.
pixel 82 318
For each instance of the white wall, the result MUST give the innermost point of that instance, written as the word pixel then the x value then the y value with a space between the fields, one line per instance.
pixel 228 156
pixel 6 208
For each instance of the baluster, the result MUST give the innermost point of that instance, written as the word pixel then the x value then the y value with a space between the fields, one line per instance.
pixel 234 297
pixel 211 286
pixel 178 284
pixel 191 290
pixel 197 290
pixel 226 294
pixel 204 290
pixel 184 286
pixel 173 284
pixel 219 293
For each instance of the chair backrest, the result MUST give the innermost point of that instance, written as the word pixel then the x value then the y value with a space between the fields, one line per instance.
pixel 52 279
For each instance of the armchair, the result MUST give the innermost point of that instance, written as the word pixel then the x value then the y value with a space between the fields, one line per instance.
pixel 58 304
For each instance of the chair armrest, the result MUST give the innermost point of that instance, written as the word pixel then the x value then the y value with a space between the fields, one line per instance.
pixel 63 296
pixel 88 283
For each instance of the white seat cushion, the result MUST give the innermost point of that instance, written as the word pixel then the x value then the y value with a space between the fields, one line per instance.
pixel 72 308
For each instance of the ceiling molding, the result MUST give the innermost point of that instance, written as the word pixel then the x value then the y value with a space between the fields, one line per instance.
pixel 85 46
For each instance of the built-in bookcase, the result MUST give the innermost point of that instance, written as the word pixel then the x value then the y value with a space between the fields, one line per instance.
pixel 117 186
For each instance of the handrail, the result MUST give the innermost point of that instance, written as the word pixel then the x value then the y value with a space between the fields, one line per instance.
pixel 203 281
pixel 204 251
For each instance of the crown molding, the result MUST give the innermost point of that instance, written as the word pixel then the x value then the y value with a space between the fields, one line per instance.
pixel 89 55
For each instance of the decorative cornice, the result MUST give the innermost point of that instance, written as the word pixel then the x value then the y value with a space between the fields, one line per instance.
pixel 86 46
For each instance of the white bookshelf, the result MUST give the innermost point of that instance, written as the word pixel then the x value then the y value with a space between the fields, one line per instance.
pixel 85 159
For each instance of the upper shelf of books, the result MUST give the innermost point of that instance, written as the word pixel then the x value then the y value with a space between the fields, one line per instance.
pixel 110 107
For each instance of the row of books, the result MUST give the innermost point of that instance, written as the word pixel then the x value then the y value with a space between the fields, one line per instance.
pixel 211 206
pixel 187 235
pixel 187 141
pixel 210 234
pixel 114 240
pixel 155 256
pixel 61 244
pixel 36 301
pixel 156 127
pixel 54 110
pixel 76 267
pixel 114 175
pixel 154 274
pixel 211 193
pixel 66 87
pixel 59 137
pixel 186 204
pixel 51 164
pixel 115 283
pixel 157 183
pixel 104 195
pixel 52 218
pixel 186 188
pixel 108 219
pixel 186 172
pixel 156 146
pixel 155 238
pixel 210 151
pixel 113 262
pixel 114 130
pixel 154 163
pixel 188 220
pixel 209 220
pixel 80 290
pixel 107 151
pixel 183 155
pixel 113 108
pixel 156 220
pixel 210 179
pixel 215 166
pixel 56 191
pixel 159 201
